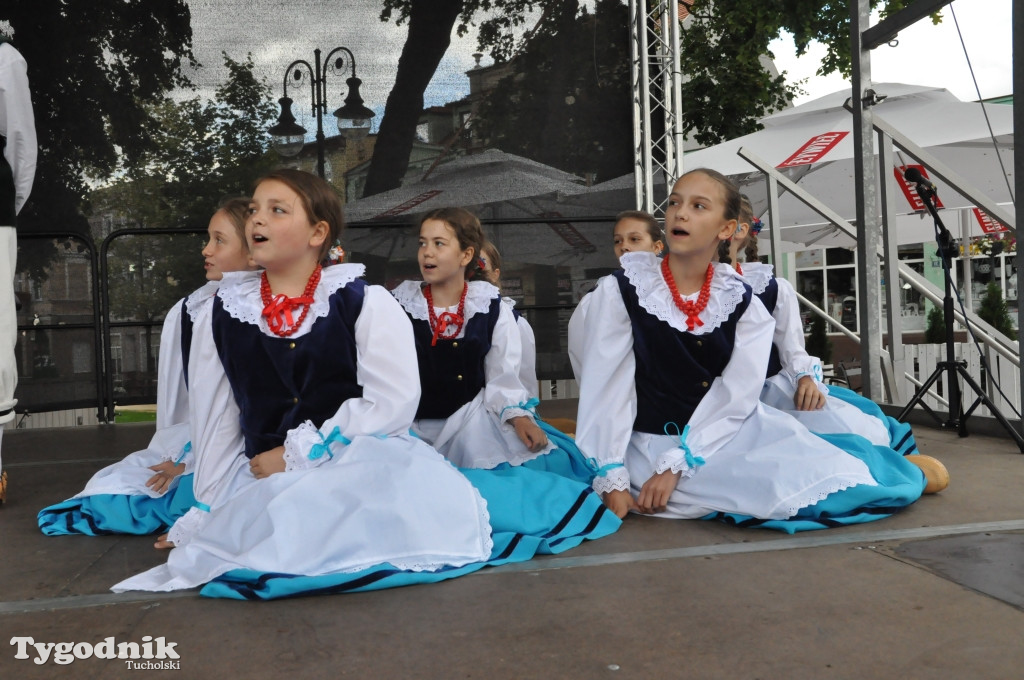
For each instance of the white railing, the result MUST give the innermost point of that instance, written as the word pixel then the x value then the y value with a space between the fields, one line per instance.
pixel 921 361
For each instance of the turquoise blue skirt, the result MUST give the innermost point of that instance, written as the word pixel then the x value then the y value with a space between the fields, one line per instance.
pixel 106 514
pixel 901 438
pixel 900 483
pixel 532 513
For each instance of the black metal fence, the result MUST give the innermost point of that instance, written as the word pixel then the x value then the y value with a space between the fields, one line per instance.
pixel 89 317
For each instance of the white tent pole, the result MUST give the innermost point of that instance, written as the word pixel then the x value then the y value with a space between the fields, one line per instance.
pixel 1018 166
pixel 894 307
pixel 868 227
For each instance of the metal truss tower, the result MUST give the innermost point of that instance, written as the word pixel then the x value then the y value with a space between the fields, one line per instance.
pixel 657 99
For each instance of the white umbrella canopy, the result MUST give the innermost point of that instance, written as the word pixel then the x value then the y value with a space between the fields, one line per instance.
pixel 813 145
pixel 816 139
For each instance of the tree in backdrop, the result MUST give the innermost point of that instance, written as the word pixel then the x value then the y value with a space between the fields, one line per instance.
pixel 935 331
pixel 726 88
pixel 203 151
pixel 727 91
pixel 567 101
pixel 94 66
pixel 993 310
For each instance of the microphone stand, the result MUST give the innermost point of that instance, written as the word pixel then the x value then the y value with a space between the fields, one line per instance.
pixel 947 250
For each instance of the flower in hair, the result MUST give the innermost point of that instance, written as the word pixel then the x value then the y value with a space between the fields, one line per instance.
pixel 481 263
pixel 336 254
pixel 756 225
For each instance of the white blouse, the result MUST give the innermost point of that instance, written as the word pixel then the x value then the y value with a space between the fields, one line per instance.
pixel 789 328
pixel 386 370
pixel 601 343
pixel 17 123
pixel 504 393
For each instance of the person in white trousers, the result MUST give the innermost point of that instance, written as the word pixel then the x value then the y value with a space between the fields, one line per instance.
pixel 17 170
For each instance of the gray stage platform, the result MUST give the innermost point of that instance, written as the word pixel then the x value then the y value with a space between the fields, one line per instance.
pixel 934 592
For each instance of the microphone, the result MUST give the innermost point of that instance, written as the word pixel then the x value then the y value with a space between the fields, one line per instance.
pixel 914 176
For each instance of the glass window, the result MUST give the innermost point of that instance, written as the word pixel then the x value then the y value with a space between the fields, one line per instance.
pixel 836 256
pixel 810 258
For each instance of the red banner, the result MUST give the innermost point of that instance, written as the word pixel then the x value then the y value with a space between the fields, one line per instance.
pixel 814 150
pixel 910 190
pixel 988 224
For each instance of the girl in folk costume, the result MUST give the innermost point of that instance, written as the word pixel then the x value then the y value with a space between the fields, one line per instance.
pixel 794 381
pixel 670 410
pixel 148 490
pixel 528 357
pixel 637 231
pixel 474 409
pixel 303 386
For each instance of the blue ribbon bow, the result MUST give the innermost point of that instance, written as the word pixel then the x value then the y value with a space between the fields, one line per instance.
pixel 528 405
pixel 602 470
pixel 691 460
pixel 324 446
pixel 184 452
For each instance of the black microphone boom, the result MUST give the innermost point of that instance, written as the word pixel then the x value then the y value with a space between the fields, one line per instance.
pixel 914 176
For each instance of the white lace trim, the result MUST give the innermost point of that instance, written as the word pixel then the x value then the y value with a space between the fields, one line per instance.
pixel 796 504
pixel 199 297
pixel 298 443
pixel 616 479
pixel 758 275
pixel 643 270
pixel 478 298
pixel 675 461
pixel 509 301
pixel 240 293
pixel 186 526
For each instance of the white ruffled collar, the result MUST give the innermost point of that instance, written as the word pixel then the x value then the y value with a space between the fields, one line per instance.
pixel 509 301
pixel 478 298
pixel 643 270
pixel 240 294
pixel 200 296
pixel 758 275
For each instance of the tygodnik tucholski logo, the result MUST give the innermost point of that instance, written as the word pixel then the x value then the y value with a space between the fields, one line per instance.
pixel 151 653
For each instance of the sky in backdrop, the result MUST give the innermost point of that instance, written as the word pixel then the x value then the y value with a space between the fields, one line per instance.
pixel 277 32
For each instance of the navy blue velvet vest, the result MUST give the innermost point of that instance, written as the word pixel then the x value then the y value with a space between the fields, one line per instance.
pixel 452 371
pixel 674 370
pixel 280 383
pixel 186 338
pixel 770 297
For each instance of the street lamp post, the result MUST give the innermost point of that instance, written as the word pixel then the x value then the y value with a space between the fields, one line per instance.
pixel 353 118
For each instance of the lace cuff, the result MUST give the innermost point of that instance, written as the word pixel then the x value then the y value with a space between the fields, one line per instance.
pixel 525 408
pixel 680 459
pixel 188 525
pixel 614 479
pixel 812 367
pixel 305 447
pixel 674 460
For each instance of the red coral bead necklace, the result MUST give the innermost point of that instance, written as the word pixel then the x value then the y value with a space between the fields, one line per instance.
pixel 691 309
pixel 278 308
pixel 447 320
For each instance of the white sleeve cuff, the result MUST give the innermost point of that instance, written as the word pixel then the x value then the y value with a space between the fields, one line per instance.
pixel 674 460
pixel 187 526
pixel 306 448
pixel 615 479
